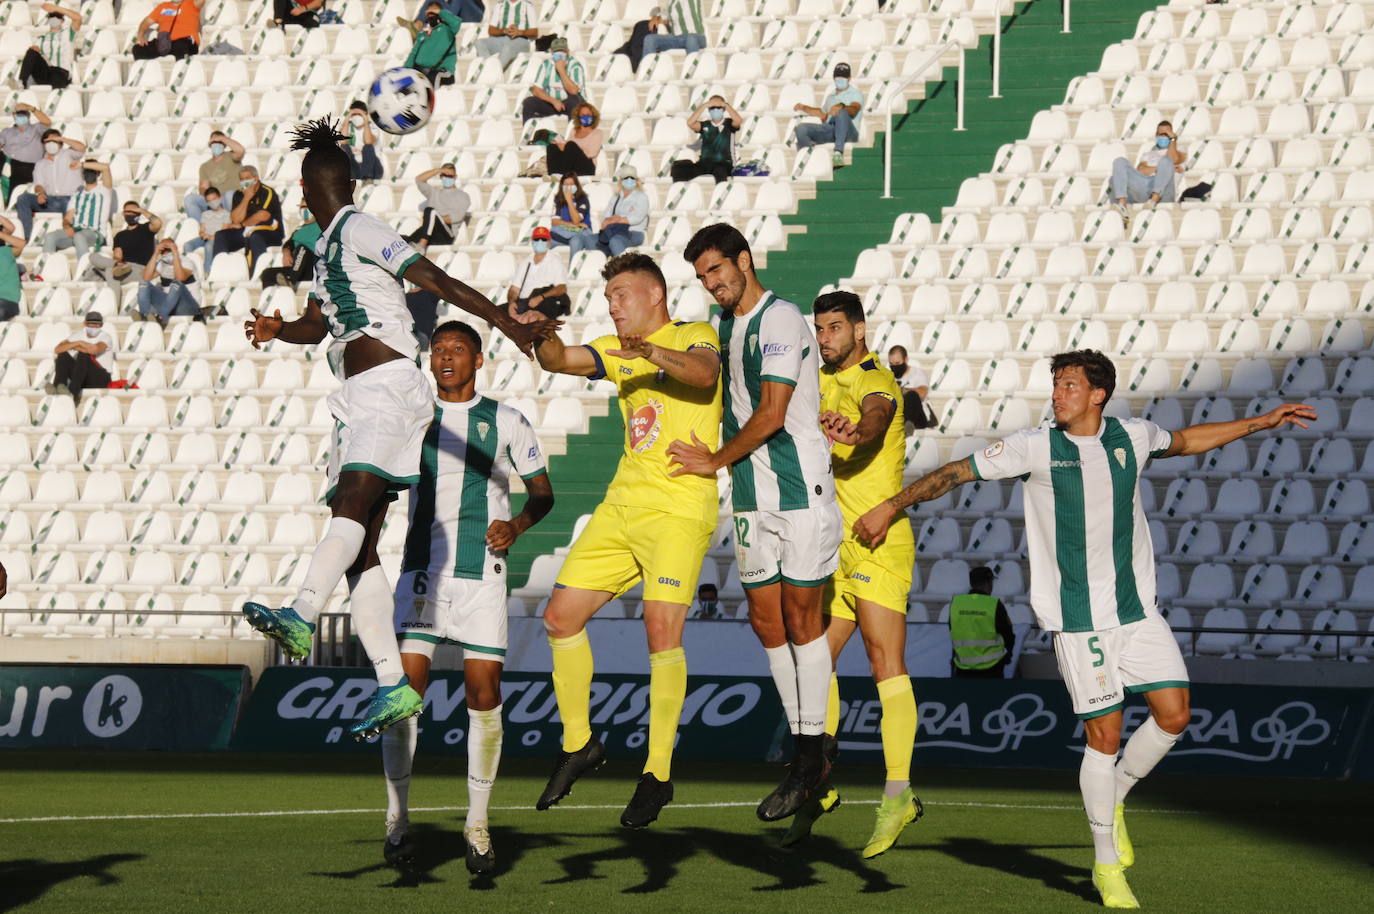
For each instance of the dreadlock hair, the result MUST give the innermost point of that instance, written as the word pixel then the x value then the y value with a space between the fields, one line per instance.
pixel 324 157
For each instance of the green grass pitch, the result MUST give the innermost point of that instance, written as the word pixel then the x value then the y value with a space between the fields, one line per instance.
pixel 990 841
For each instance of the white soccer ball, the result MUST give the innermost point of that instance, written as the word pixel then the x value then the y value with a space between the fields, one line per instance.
pixel 401 100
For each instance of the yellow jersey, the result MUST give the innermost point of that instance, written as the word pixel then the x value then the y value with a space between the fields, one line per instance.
pixel 866 475
pixel 659 410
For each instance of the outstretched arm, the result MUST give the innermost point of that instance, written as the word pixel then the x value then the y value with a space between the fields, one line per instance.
pixel 554 355
pixel 770 416
pixel 309 328
pixel 425 274
pixel 1198 439
pixel 871 529
pixel 697 367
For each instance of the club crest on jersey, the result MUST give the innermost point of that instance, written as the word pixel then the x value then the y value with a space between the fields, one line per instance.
pixel 482 429
pixel 645 425
pixel 1120 455
pixel 333 252
pixel 992 450
pixel 753 343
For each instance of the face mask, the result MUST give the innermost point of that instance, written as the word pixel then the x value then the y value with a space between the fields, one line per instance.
pixel 570 188
pixel 21 120
pixel 246 183
pixel 559 55
pixel 167 259
pixel 55 23
pixel 447 181
pixel 717 114
pixel 628 183
pixel 1162 142
pixel 841 83
pixel 131 218
pixel 51 148
pixel 432 21
pixel 92 332
pixel 305 213
pixel 586 120
pixel 539 246
pixel 357 120
pixel 217 149
pixel 90 177
pixel 215 203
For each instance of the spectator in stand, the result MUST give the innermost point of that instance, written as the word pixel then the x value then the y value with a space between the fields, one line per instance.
pixel 540 284
pixel 572 211
pixel 915 387
pixel 85 360
pixel 214 220
pixel 557 85
pixel 686 29
pixel 634 48
pixel 56 176
pixel 716 122
pixel 173 27
pixel 132 246
pixel 220 170
pixel 22 144
pixel 255 220
pixel 624 224
pixel 435 52
pixel 577 154
pixel 11 246
pixel 48 62
pixel 511 31
pixel 446 206
pixel 465 10
pixel 166 289
pixel 839 117
pixel 707 604
pixel 297 254
pixel 361 144
pixel 1152 180
pixel 86 220
pixel 297 12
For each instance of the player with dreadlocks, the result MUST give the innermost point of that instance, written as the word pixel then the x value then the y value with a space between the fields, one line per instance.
pixel 381 412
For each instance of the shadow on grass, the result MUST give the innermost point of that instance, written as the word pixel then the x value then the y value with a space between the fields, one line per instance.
pixel 1021 860
pixel 436 846
pixel 23 882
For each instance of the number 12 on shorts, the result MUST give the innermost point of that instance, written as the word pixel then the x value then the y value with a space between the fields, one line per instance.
pixel 742 531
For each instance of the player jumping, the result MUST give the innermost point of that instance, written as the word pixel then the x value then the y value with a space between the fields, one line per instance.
pixel 862 413
pixel 381 411
pixel 1093 576
pixel 651 526
pixel 787 526
pixel 453 578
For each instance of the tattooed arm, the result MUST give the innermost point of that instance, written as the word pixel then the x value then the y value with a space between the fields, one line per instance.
pixel 699 367
pixel 1199 439
pixel 871 529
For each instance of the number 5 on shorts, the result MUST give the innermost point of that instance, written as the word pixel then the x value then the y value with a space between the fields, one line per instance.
pixel 1096 652
pixel 742 531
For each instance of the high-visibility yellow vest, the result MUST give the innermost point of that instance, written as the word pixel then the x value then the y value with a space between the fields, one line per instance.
pixel 973 629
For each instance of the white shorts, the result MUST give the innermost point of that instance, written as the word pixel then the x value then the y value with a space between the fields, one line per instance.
pixel 434 609
pixel 381 416
pixel 800 547
pixel 1099 668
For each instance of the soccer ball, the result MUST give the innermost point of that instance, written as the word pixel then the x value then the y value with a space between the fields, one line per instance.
pixel 401 100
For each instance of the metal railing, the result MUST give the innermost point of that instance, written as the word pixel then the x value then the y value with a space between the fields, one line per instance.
pixel 895 95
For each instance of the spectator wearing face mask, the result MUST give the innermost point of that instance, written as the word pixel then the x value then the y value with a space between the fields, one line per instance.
pixel 214 220
pixel 446 206
pixel 465 10
pixel 173 27
pixel 48 62
pixel 1152 180
pixel 625 221
pixel 297 254
pixel 220 170
pixel 85 360
pixel 86 220
pixel 577 154
pixel 435 52
pixel 132 246
pixel 360 144
pixel 11 245
pixel 254 221
pixel 56 176
pixel 510 31
pixel 839 117
pixel 915 386
pixel 540 284
pixel 686 30
pixel 167 286
pixel 716 122
pixel 297 12
pixel 707 605
pixel 557 85
pixel 22 145
pixel 572 211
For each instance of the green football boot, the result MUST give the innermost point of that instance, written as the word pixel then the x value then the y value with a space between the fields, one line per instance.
pixel 390 705
pixel 295 635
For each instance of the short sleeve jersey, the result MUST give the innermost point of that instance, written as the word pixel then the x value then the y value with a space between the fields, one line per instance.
pixel 470 452
pixel 846 96
pixel 657 411
pixel 868 474
pixel 358 281
pixel 106 359
pixel 518 13
pixel 547 77
pixel 1092 564
pixel 791 470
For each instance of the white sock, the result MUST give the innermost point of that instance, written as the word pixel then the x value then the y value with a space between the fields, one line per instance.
pixel 813 684
pixel 398 751
pixel 1096 778
pixel 343 539
pixel 1147 745
pixel 373 619
pixel 784 670
pixel 484 756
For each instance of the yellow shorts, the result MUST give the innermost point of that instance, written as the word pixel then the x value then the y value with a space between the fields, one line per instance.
pixel 620 545
pixel 881 576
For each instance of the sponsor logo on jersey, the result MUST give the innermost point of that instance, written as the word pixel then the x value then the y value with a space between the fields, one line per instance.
pixel 1120 455
pixel 776 349
pixel 625 370
pixel 673 581
pixel 645 426
pixel 534 452
pixel 860 576
pixel 1066 464
pixel 396 247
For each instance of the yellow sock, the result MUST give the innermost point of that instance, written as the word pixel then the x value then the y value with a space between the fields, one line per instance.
pixel 572 683
pixel 832 707
pixel 898 726
pixel 667 691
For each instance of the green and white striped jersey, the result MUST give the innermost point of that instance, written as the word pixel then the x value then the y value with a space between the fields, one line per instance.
pixel 518 13
pixel 684 17
pixel 358 281
pixel 470 452
pixel 1092 563
pixel 791 470
pixel 56 46
pixel 91 208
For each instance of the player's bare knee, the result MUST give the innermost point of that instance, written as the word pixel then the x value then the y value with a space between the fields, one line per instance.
pixel 1104 733
pixel 1173 720
pixel 483 696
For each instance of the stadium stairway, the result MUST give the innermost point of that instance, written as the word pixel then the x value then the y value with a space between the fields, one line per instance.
pixel 929 159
